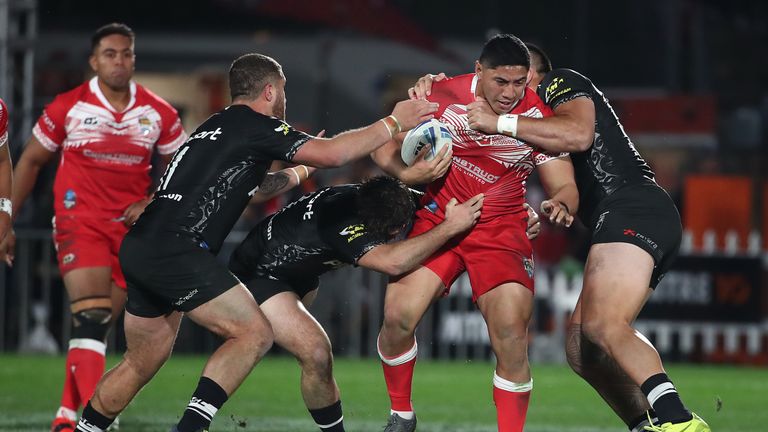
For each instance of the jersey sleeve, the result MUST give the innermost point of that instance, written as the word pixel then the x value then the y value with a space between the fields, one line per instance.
pixel 276 139
pixel 351 240
pixel 563 85
pixel 50 129
pixel 172 134
pixel 3 124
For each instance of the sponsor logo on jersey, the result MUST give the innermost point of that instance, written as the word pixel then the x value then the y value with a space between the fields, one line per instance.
pixel 284 128
pixel 91 121
pixel 352 232
pixel 68 259
pixel 528 266
pixel 475 171
pixel 70 199
pixel 552 88
pixel 115 158
pixel 173 196
pixel 211 135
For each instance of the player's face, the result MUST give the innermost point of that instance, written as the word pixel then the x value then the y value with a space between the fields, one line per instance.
pixel 113 61
pixel 502 87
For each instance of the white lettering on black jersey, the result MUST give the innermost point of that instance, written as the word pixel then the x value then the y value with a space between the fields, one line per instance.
pixel 213 175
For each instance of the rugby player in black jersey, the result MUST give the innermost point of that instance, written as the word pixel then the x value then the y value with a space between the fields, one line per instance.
pixel 636 233
pixel 283 256
pixel 168 256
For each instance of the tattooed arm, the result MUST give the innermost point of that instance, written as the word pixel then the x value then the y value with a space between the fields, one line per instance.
pixel 281 181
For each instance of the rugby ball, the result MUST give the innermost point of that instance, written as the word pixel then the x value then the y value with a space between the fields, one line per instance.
pixel 431 133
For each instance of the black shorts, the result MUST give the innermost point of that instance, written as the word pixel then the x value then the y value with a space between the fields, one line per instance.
pixel 170 272
pixel 263 288
pixel 645 216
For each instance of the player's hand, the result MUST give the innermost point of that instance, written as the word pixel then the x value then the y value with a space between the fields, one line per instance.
pixel 557 213
pixel 8 248
pixel 426 171
pixel 423 86
pixel 481 116
pixel 410 113
pixel 132 213
pixel 461 217
pixel 534 224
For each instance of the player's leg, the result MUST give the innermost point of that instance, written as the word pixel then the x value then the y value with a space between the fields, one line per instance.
pixel 149 342
pixel 235 317
pixel 89 290
pixel 297 331
pixel 507 311
pixel 616 283
pixel 406 300
pixel 603 373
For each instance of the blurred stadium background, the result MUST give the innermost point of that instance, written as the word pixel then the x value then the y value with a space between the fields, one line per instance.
pixel 688 78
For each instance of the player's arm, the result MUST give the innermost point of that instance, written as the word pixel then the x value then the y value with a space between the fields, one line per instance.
pixel 6 185
pixel 278 182
pixel 387 157
pixel 558 181
pixel 402 256
pixel 34 157
pixel 354 144
pixel 571 129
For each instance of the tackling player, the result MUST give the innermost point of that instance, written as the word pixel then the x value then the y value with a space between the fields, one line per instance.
pixel 283 256
pixel 106 130
pixel 169 255
pixel 636 235
pixel 496 254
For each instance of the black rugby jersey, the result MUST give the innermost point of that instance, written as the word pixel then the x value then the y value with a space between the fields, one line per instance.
pixel 317 233
pixel 213 175
pixel 611 162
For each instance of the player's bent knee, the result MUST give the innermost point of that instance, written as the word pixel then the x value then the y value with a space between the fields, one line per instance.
pixel 399 321
pixel 91 323
pixel 318 361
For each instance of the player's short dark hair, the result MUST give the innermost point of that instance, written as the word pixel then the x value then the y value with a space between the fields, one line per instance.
pixel 249 74
pixel 539 59
pixel 505 50
pixel 109 30
pixel 385 205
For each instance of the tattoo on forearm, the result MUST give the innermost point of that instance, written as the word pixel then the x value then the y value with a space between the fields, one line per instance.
pixel 273 182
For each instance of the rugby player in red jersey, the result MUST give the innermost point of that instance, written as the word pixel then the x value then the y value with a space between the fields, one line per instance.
pixel 496 254
pixel 106 131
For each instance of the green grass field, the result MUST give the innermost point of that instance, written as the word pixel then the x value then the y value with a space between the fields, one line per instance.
pixel 448 396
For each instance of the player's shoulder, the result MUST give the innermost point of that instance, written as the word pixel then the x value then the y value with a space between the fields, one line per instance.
pixel 147 96
pixel 531 105
pixel 69 98
pixel 453 87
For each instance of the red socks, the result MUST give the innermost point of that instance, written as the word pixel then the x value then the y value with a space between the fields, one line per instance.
pixel 511 401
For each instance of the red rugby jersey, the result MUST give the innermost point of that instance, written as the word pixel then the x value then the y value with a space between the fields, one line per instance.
pixel 105 154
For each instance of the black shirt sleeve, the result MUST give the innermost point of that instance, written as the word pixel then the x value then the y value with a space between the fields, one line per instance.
pixel 563 85
pixel 276 139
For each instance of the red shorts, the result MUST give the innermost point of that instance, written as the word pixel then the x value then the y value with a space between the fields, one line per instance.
pixel 88 242
pixel 494 252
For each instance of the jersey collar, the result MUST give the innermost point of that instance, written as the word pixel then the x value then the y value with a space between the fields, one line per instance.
pixel 94 86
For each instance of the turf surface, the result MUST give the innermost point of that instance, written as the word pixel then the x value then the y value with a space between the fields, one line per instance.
pixel 448 396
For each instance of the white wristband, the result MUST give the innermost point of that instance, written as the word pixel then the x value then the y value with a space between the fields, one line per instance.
pixel 507 124
pixel 306 170
pixel 296 173
pixel 6 206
